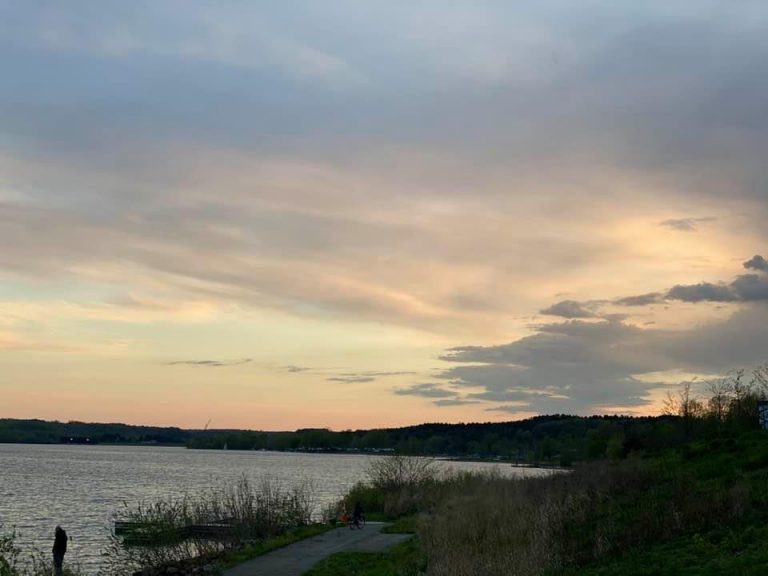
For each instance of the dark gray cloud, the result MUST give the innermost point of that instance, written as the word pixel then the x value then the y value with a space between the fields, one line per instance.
pixel 604 363
pixel 743 288
pixel 757 262
pixel 687 224
pixel 209 363
pixel 568 309
pixel 593 366
pixel 702 292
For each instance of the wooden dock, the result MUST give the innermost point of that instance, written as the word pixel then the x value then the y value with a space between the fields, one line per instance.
pixel 149 534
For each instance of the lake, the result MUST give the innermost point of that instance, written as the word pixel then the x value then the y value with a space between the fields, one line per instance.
pixel 80 487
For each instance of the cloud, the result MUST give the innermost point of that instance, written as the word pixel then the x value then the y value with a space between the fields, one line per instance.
pixel 438 392
pixel 641 299
pixel 757 262
pixel 295 369
pixel 591 366
pixel 413 165
pixel 743 288
pixel 702 292
pixel 687 224
pixel 568 309
pixel 367 376
pixel 425 390
pixel 351 379
pixel 454 402
pixel 209 363
pixel 607 363
pixel 587 367
pixel 225 36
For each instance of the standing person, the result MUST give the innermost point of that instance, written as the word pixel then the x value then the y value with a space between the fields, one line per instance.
pixel 59 549
pixel 357 515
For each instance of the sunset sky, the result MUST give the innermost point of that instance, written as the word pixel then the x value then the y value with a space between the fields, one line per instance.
pixel 353 214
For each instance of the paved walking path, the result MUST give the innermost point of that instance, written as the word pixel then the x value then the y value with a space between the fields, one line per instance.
pixel 297 558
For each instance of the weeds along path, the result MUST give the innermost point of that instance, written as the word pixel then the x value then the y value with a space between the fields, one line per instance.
pixel 296 559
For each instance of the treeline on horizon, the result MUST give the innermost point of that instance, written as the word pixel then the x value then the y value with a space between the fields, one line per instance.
pixel 558 439
pixel 36 431
pixel 730 408
pixel 540 438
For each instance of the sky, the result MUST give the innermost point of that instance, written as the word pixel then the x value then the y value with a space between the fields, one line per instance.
pixel 274 215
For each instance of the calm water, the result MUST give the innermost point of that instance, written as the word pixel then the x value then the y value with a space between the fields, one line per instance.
pixel 79 487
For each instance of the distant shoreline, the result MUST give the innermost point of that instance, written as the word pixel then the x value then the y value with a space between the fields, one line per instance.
pixel 543 441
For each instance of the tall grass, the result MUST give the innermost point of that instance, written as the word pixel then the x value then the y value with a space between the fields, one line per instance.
pixel 489 526
pixel 248 514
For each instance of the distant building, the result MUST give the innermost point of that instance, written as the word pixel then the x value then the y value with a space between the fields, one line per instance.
pixel 762 412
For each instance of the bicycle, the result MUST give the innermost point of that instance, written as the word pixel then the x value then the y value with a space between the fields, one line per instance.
pixel 357 523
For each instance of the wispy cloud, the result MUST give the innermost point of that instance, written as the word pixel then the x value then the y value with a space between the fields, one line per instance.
pixel 210 363
pixel 296 369
pixel 687 224
pixel 426 390
pixel 366 376
pixel 454 402
pixel 351 379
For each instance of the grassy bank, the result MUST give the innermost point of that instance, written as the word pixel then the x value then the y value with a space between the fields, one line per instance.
pixel 404 559
pixel 598 513
pixel 700 508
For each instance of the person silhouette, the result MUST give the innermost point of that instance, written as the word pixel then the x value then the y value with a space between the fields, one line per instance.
pixel 357 515
pixel 59 549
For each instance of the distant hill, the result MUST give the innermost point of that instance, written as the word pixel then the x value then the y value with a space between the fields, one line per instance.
pixel 43 432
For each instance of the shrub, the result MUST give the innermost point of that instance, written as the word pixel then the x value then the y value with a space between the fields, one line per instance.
pixel 396 485
pixel 246 513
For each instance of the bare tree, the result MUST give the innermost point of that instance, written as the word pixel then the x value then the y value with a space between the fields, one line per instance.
pixel 397 471
pixel 721 395
pixel 684 404
pixel 760 381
